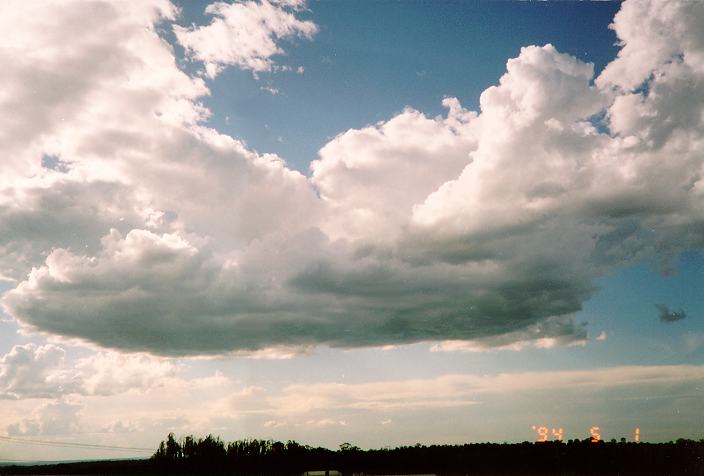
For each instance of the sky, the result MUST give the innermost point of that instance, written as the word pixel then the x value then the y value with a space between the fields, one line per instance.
pixel 382 223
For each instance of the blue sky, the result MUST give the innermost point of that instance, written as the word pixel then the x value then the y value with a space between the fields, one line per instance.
pixel 374 222
pixel 372 59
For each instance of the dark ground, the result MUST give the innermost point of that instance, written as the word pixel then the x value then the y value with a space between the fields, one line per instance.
pixel 210 455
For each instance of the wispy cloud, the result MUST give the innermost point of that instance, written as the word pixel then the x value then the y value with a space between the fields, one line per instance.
pixel 201 404
pixel 458 390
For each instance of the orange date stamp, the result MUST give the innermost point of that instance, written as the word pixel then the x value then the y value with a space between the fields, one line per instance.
pixel 557 434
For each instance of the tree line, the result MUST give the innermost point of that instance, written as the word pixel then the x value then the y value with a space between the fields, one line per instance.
pixel 211 454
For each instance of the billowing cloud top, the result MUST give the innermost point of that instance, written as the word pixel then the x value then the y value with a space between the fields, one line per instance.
pixel 124 221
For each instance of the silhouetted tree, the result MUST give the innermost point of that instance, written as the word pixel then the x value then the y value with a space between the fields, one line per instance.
pixel 212 455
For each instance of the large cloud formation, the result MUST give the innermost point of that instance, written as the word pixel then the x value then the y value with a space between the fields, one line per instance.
pixel 128 223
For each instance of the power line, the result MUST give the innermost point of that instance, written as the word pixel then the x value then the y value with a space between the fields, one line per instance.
pixel 68 444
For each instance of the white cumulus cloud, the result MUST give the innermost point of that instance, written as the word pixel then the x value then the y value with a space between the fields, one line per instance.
pixel 245 34
pixel 32 371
